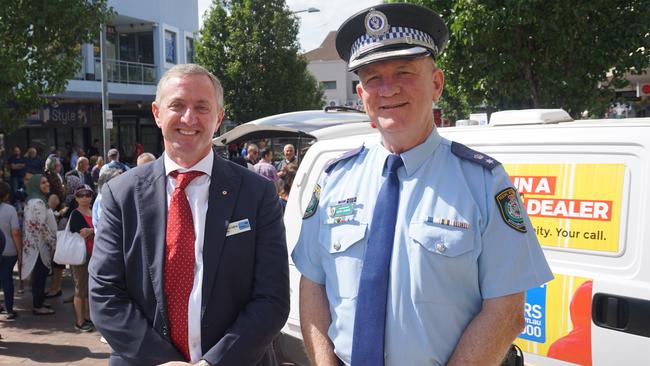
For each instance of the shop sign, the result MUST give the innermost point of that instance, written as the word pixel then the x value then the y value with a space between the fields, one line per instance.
pixel 70 115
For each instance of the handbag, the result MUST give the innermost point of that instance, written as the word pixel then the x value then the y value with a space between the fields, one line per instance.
pixel 70 247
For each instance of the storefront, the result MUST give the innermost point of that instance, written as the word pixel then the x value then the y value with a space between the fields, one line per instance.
pixel 79 124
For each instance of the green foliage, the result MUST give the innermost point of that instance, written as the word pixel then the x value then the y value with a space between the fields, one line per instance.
pixel 513 54
pixel 39 50
pixel 251 46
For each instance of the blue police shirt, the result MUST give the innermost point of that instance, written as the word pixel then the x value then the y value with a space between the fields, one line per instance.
pixel 453 247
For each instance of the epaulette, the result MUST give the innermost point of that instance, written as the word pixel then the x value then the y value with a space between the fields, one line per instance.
pixel 347 155
pixel 466 153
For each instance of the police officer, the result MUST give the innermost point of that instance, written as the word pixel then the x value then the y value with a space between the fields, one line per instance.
pixel 414 250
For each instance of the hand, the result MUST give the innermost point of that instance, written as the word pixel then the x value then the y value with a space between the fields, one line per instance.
pixel 85 232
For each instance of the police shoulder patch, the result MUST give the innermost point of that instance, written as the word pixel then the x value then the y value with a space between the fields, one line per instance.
pixel 330 166
pixel 313 203
pixel 466 153
pixel 510 209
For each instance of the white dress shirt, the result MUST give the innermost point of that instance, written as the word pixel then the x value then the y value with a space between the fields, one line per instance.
pixel 197 193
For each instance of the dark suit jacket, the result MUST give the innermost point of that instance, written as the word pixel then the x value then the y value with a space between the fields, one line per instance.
pixel 245 298
pixel 85 178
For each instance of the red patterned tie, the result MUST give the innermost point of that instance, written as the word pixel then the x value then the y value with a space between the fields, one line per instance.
pixel 179 260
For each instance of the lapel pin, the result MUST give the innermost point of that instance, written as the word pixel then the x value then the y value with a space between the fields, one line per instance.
pixel 224 193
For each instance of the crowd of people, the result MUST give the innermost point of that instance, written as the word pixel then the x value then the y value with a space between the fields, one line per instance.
pixel 38 197
pixel 259 158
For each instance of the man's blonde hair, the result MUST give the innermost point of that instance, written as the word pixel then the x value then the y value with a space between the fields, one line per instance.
pixel 190 69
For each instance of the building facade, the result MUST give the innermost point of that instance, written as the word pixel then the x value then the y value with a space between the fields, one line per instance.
pixel 144 39
pixel 339 85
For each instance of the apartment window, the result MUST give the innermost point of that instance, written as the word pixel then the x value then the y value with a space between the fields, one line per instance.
pixel 170 47
pixel 328 85
pixel 136 47
pixel 189 50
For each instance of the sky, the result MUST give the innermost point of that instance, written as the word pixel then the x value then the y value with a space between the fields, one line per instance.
pixel 314 27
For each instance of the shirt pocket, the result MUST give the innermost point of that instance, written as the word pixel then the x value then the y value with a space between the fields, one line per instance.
pixel 443 262
pixel 345 248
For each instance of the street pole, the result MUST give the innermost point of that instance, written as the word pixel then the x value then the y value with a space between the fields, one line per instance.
pixel 102 62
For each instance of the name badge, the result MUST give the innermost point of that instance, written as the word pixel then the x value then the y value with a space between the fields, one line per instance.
pixel 238 227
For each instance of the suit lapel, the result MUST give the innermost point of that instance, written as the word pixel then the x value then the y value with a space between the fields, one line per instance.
pixel 152 203
pixel 224 189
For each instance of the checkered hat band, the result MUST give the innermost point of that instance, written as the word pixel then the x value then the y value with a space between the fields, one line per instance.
pixel 393 36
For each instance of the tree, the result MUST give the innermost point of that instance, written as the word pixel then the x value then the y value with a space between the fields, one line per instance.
pixel 39 50
pixel 513 54
pixel 251 46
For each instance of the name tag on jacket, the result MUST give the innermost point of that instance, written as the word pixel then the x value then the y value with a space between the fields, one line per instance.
pixel 238 227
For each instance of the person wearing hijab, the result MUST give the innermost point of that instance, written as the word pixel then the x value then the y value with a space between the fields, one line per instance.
pixel 39 240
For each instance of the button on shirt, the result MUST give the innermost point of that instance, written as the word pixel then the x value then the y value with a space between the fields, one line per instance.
pixel 197 193
pixel 452 249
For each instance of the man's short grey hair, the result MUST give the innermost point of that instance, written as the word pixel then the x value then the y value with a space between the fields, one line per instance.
pixel 107 175
pixel 145 157
pixel 113 154
pixel 190 69
pixel 80 160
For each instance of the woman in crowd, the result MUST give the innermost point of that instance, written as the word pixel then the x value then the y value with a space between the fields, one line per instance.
pixel 52 172
pixel 81 222
pixel 12 252
pixel 283 185
pixel 39 241
pixel 94 173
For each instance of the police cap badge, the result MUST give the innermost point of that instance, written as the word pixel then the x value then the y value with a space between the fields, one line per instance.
pixel 390 31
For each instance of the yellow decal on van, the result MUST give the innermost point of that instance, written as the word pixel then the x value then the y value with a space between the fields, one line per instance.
pixel 558 320
pixel 573 206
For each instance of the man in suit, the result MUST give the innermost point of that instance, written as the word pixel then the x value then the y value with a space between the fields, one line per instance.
pixel 81 171
pixel 163 294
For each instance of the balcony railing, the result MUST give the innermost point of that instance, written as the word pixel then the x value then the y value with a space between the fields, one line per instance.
pixel 127 72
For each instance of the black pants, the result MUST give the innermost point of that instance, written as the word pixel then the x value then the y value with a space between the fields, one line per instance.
pixel 6 278
pixel 39 275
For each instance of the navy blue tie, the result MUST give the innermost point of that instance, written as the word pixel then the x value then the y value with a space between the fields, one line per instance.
pixel 370 315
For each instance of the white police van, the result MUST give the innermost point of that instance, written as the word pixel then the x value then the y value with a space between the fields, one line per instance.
pixel 586 187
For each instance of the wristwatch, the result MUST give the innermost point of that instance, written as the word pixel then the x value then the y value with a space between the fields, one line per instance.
pixel 203 363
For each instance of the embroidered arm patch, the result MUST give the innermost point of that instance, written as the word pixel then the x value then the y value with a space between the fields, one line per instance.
pixel 313 203
pixel 510 209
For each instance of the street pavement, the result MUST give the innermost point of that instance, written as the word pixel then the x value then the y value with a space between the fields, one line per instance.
pixel 48 340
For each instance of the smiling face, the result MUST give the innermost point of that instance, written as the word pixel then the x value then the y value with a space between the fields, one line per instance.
pixel 44 185
pixel 83 198
pixel 398 96
pixel 289 152
pixel 188 114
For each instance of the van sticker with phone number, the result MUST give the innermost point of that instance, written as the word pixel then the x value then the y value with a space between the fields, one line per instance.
pixel 572 206
pixel 558 320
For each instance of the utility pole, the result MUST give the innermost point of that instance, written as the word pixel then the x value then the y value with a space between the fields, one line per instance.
pixel 102 62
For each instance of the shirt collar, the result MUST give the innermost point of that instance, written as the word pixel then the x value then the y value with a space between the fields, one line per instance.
pixel 204 165
pixel 415 157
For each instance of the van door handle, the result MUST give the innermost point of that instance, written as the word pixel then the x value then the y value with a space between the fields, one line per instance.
pixel 621 313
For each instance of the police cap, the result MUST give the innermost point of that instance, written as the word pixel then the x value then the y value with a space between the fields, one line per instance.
pixel 390 31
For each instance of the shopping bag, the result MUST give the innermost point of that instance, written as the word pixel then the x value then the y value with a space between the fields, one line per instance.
pixel 70 247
